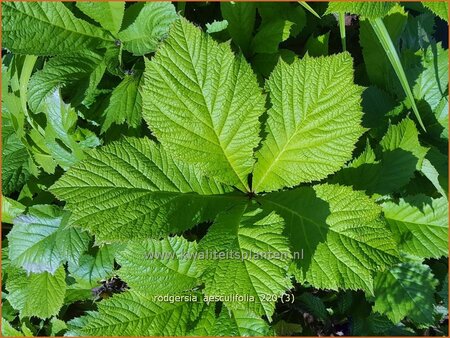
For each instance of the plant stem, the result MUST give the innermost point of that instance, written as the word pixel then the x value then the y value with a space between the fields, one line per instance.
pixel 388 46
pixel 309 9
pixel 341 21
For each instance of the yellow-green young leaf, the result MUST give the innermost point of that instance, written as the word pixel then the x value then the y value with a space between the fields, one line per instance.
pixel 365 9
pixel 125 104
pixel 133 314
pixel 256 263
pixel 337 235
pixel 48 28
pixel 149 28
pixel 159 267
pixel 40 295
pixel 406 290
pixel 420 225
pixel 134 189
pixel 440 8
pixel 203 104
pixel 313 124
pixel 108 14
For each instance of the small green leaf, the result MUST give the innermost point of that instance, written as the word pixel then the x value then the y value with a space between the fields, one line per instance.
pixel 40 295
pixel 11 209
pixel 366 9
pixel 406 290
pixel 108 14
pixel 241 21
pixel 125 104
pixel 149 28
pixel 440 8
pixel 270 35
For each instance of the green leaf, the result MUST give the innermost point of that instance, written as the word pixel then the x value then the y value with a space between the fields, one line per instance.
pixel 283 328
pixel 257 255
pixel 317 45
pixel 9 331
pixel 203 104
pixel 108 14
pixel 443 293
pixel 401 156
pixel 274 11
pixel 311 128
pixel 149 28
pixel 420 225
pixel 15 158
pixel 159 267
pixel 229 323
pixel 406 290
pixel 405 136
pixel 133 314
pixel 216 26
pixel 270 35
pixel 365 9
pixel 39 295
pixel 125 104
pixel 241 21
pixel 93 268
pixel 11 209
pixel 57 29
pixel 440 8
pixel 32 240
pixel 134 189
pixel 435 168
pixel 432 83
pixel 77 74
pixel 65 143
pixel 39 242
pixel 339 233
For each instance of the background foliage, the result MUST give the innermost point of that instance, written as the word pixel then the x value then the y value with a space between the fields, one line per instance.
pixel 131 129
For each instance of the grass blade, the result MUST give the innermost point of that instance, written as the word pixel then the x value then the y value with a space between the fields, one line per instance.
pixel 309 8
pixel 342 30
pixel 386 41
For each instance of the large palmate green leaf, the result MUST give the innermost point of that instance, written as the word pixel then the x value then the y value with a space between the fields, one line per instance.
pixel 365 9
pixel 203 104
pixel 256 263
pixel 40 295
pixel 125 104
pixel 149 28
pixel 420 225
pixel 108 14
pixel 134 189
pixel 40 242
pixel 406 290
pixel 339 233
pixel 312 128
pixel 48 28
pixel 78 73
pixel 159 267
pixel 133 314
